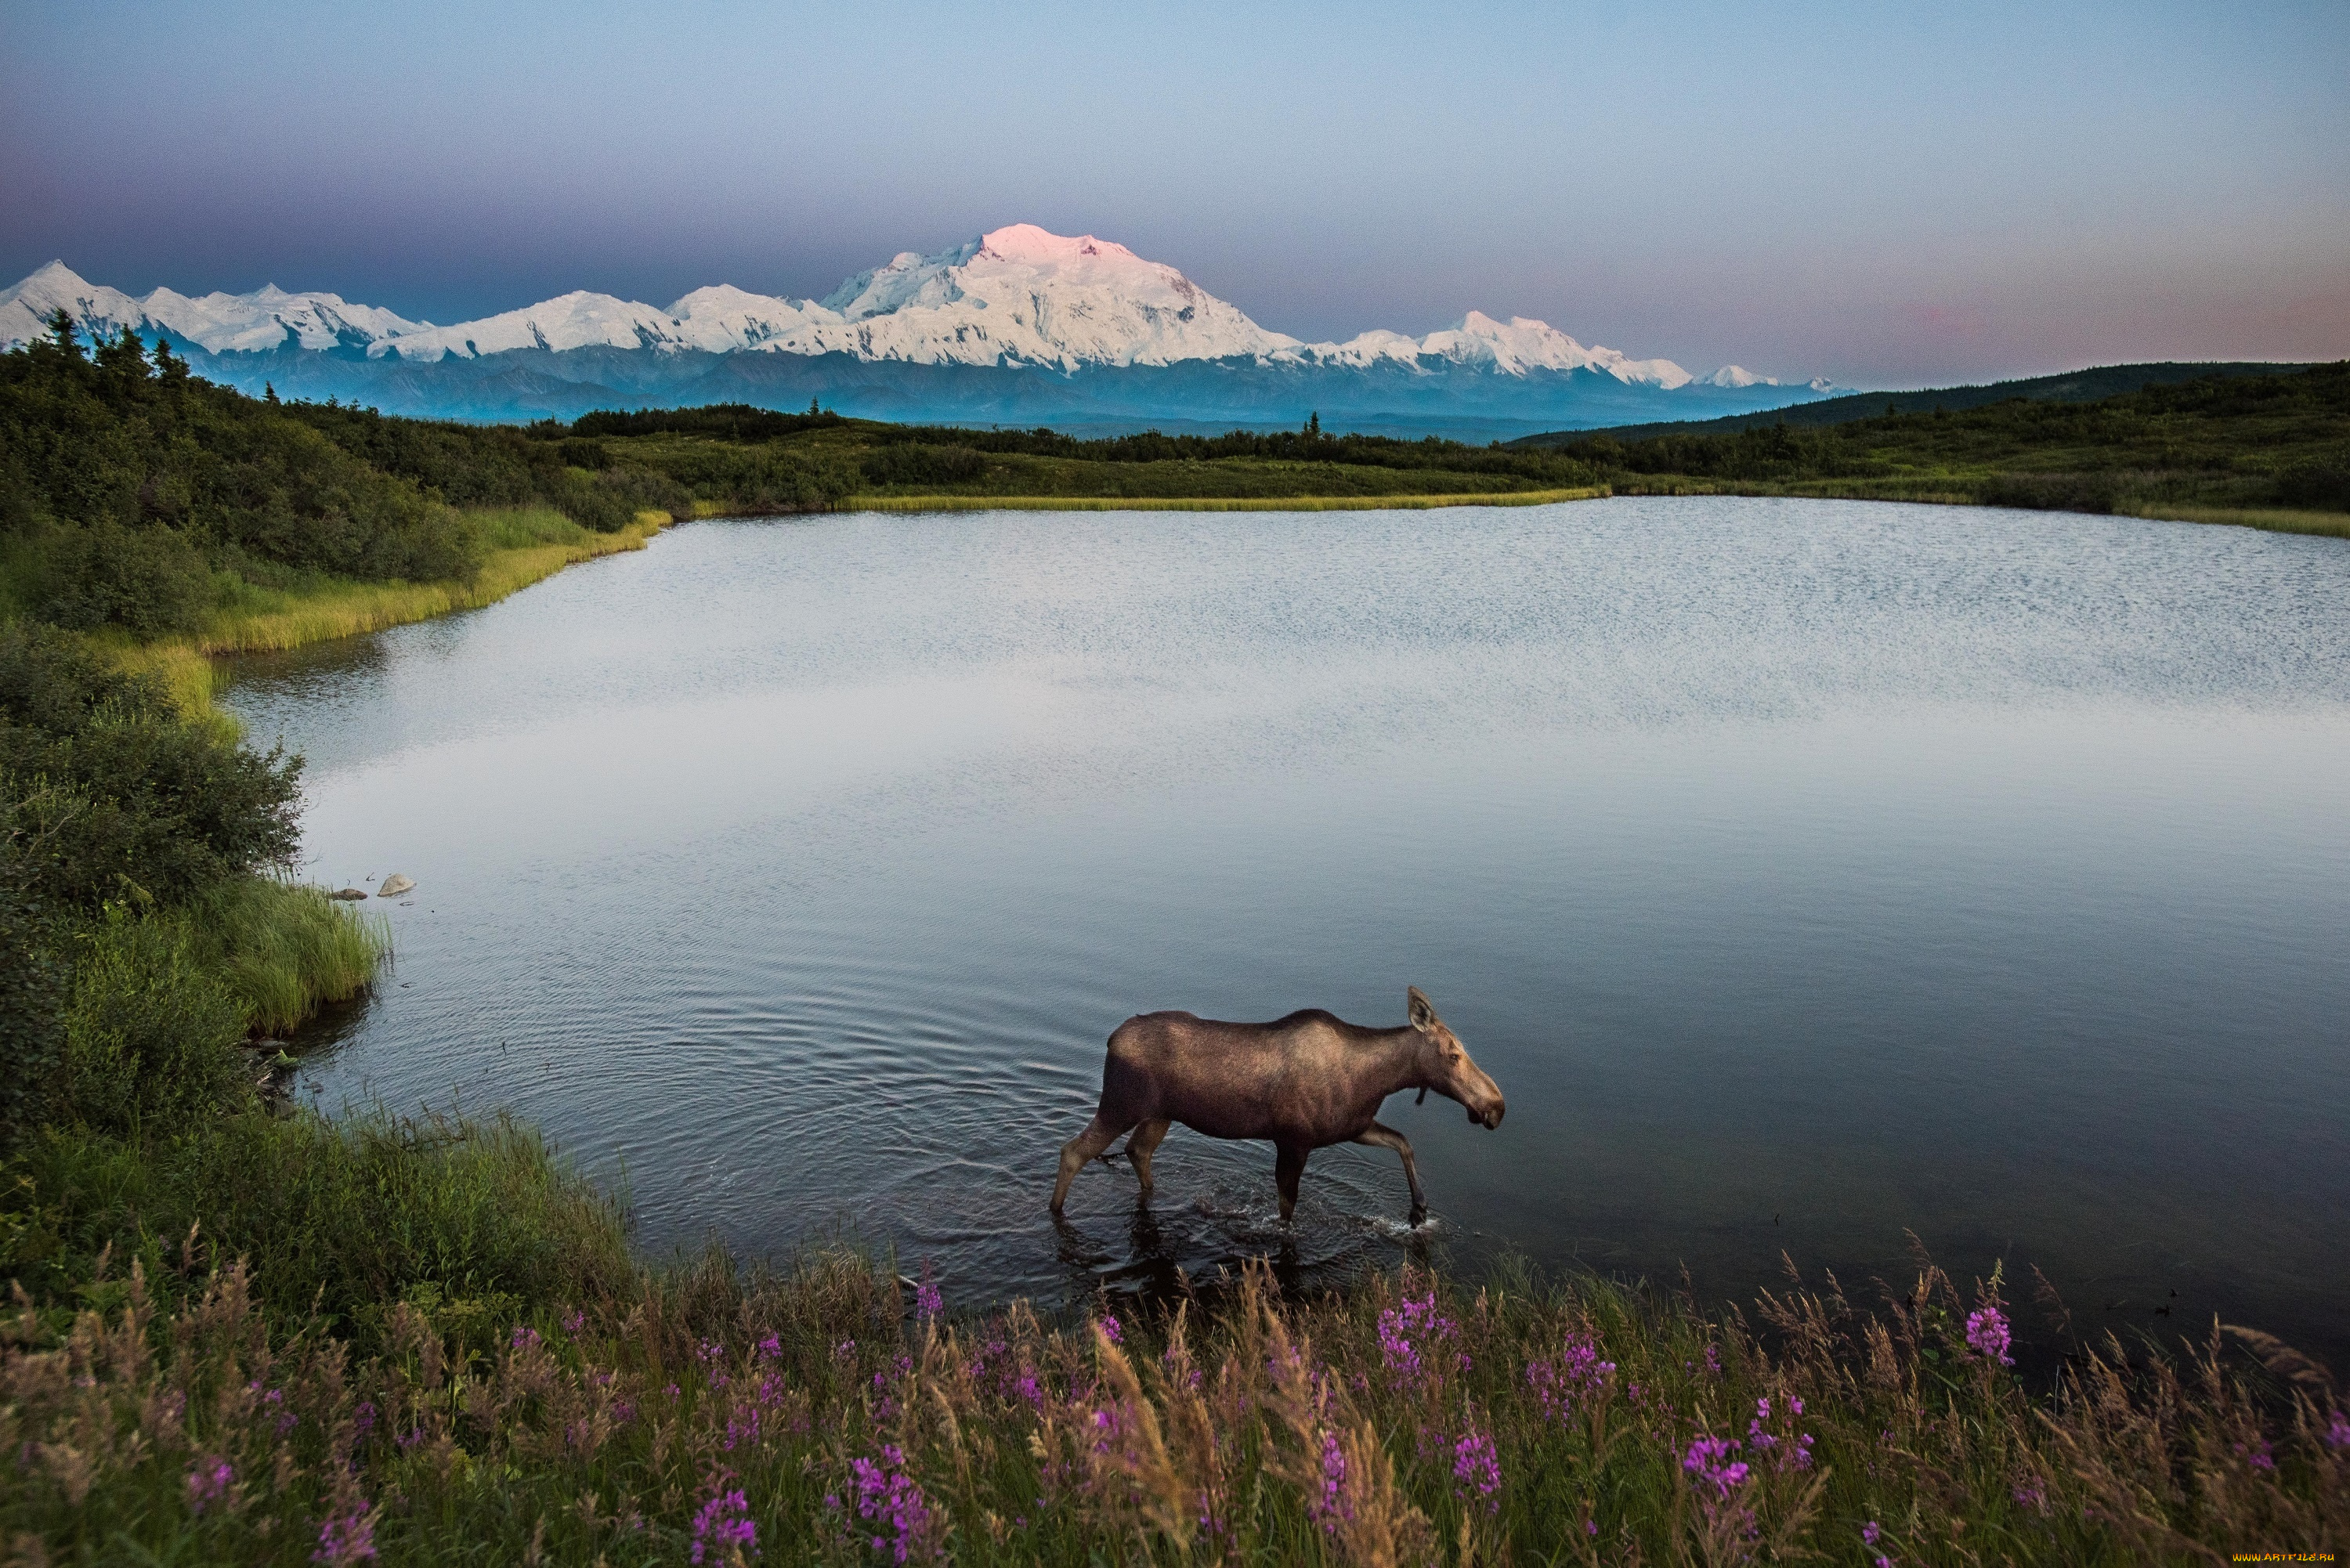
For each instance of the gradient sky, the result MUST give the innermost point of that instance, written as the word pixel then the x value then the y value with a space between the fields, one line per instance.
pixel 1885 194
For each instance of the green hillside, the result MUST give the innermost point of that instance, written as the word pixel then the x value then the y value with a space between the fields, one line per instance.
pixel 2272 450
pixel 2087 385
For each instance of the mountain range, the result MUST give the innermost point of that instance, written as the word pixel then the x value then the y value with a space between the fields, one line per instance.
pixel 1019 326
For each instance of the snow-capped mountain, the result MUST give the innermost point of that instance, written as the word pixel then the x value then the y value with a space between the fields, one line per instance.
pixel 1016 299
pixel 256 322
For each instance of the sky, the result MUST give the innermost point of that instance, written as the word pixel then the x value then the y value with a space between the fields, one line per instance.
pixel 1888 195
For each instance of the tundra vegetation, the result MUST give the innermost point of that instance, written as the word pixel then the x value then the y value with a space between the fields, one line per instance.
pixel 232 1335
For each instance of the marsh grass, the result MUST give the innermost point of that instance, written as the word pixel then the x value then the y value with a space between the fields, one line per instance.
pixel 714 1416
pixel 2276 519
pixel 284 950
pixel 1402 501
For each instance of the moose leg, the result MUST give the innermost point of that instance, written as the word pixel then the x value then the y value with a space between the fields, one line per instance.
pixel 1288 1165
pixel 1099 1134
pixel 1383 1136
pixel 1143 1144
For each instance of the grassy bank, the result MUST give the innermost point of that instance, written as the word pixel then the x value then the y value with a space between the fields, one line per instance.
pixel 952 502
pixel 2256 450
pixel 524 546
pixel 539 1410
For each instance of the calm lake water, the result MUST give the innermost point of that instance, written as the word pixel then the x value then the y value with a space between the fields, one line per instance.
pixel 1806 873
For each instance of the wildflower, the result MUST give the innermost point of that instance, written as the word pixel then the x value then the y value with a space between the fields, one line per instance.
pixel 2337 1436
pixel 524 1337
pixel 771 1348
pixel 347 1535
pixel 1869 1533
pixel 927 1301
pixel 887 1497
pixel 573 1321
pixel 1577 1375
pixel 363 1418
pixel 1109 1329
pixel 1333 1508
pixel 1477 1467
pixel 1405 1328
pixel 1708 1460
pixel 723 1525
pixel 1713 1359
pixel 844 1350
pixel 1987 1333
pixel 2031 1495
pixel 209 1479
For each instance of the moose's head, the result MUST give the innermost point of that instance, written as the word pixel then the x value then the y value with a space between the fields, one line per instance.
pixel 1447 1068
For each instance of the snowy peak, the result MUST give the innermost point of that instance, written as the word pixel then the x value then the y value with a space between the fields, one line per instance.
pixel 1014 295
pixel 1022 295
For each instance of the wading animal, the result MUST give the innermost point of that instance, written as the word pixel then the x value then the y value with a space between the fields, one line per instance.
pixel 1302 1083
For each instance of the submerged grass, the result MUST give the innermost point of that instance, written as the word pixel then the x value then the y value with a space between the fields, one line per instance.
pixel 701 1414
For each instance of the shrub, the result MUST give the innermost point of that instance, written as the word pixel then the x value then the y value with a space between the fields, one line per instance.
pixel 2320 482
pixel 107 784
pixel 149 580
pixel 30 995
pixel 2051 491
pixel 912 464
pixel 151 1031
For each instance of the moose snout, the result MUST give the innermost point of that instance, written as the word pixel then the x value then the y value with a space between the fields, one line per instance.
pixel 1489 1118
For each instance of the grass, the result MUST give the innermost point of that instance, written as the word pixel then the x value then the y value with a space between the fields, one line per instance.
pixel 2276 519
pixel 284 950
pixel 703 1415
pixel 527 545
pixel 958 502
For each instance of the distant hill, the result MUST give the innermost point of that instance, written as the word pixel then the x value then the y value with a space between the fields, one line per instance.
pixel 2087 385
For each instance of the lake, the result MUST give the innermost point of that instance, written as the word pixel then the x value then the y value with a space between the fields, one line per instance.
pixel 1807 873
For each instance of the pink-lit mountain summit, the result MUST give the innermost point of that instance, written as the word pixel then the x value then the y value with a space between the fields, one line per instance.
pixel 1015 299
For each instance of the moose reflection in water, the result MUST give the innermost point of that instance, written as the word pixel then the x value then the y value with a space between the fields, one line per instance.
pixel 1302 1083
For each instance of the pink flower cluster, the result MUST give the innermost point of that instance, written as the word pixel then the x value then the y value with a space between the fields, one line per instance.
pixel 887 1497
pixel 1409 1333
pixel 1477 1469
pixel 1708 1461
pixel 722 1526
pixel 1576 1376
pixel 1987 1334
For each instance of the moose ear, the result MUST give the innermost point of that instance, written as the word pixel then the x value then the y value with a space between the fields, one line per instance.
pixel 1423 1011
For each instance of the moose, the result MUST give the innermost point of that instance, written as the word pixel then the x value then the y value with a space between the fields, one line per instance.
pixel 1304 1082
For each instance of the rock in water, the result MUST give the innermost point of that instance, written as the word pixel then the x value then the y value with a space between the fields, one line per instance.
pixel 393 886
pixel 347 893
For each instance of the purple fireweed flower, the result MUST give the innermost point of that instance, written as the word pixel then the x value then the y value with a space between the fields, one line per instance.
pixel 1987 1333
pixel 1713 1359
pixel 2033 1495
pixel 363 1418
pixel 523 1338
pixel 1477 1469
pixel 209 1479
pixel 1869 1533
pixel 1110 1328
pixel 346 1537
pixel 771 1348
pixel 1708 1461
pixel 927 1301
pixel 573 1321
pixel 1333 1508
pixel 892 1501
pixel 2337 1435
pixel 844 1350
pixel 723 1525
pixel 1577 1375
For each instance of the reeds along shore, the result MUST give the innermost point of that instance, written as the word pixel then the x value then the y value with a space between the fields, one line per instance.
pixel 702 1416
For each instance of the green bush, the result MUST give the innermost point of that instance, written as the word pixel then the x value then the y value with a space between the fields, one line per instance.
pixel 110 787
pixel 30 994
pixel 148 580
pixel 2323 484
pixel 151 1033
pixel 479 1220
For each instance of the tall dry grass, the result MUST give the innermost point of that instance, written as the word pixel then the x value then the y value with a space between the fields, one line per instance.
pixel 708 1417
